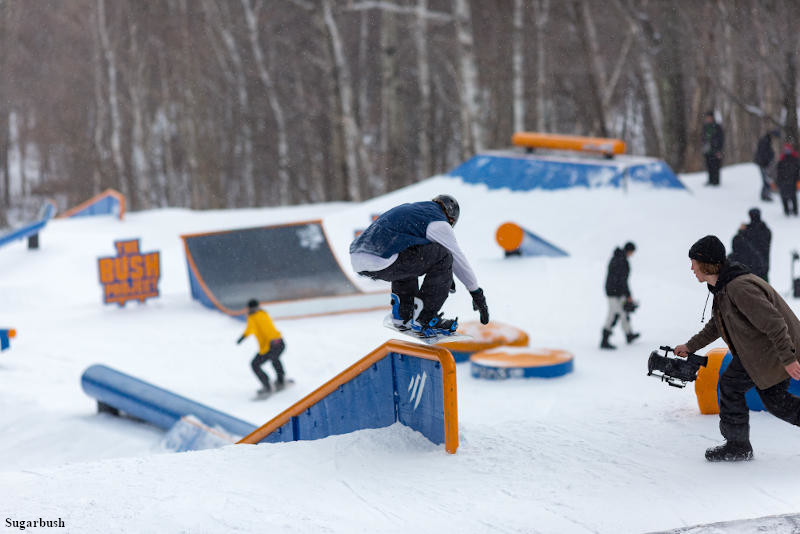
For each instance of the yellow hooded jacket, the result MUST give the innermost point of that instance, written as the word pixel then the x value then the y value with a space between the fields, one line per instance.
pixel 260 324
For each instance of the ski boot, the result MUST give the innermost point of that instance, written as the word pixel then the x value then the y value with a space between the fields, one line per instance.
pixel 631 337
pixel 402 314
pixel 731 451
pixel 605 344
pixel 436 326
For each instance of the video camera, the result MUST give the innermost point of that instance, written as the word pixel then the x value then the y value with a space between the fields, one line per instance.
pixel 630 306
pixel 675 371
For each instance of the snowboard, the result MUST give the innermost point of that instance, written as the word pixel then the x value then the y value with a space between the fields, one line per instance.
pixel 263 396
pixel 442 338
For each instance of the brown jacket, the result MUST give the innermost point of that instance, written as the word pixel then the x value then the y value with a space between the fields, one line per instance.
pixel 755 323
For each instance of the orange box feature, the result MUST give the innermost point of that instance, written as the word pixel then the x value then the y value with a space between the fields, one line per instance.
pixel 596 145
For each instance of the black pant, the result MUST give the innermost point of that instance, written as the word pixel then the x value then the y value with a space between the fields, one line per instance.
pixel 713 165
pixel 734 416
pixel 789 199
pixel 766 188
pixel 434 262
pixel 273 355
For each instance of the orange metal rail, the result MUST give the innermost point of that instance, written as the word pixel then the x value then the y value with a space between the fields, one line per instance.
pixel 597 145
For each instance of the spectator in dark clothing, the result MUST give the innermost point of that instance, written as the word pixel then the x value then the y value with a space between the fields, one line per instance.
pixel 744 251
pixel 713 140
pixel 619 295
pixel 764 158
pixel 760 236
pixel 788 175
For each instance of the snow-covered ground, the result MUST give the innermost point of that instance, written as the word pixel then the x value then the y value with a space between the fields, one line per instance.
pixel 604 449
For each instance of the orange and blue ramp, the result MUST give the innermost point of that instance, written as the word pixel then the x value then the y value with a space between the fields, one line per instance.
pixel 399 381
pixel 109 202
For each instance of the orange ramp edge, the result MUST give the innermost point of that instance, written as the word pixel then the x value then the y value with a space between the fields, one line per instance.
pixel 428 352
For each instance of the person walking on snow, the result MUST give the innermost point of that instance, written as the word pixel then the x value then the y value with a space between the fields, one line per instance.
pixel 763 158
pixel 413 240
pixel 787 176
pixel 619 295
pixel 713 140
pixel 762 334
pixel 270 346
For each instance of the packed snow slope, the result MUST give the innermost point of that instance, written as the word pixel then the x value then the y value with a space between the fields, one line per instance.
pixel 604 449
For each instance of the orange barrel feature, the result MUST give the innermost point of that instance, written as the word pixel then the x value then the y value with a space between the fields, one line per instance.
pixel 598 145
pixel 509 236
pixel 484 337
pixel 520 362
pixel 705 387
pixel 12 333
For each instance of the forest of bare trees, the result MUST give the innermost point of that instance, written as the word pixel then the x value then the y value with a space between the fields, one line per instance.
pixel 233 103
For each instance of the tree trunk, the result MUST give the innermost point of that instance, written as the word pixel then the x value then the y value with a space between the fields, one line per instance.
pixel 542 13
pixel 518 67
pixel 353 145
pixel 284 179
pixel 469 91
pixel 425 167
pixel 113 104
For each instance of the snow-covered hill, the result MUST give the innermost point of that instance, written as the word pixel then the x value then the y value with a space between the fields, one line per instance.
pixel 605 449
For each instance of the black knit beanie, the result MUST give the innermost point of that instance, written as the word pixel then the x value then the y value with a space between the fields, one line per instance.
pixel 708 249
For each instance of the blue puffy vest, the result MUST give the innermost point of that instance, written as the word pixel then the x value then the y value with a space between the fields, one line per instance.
pixel 399 228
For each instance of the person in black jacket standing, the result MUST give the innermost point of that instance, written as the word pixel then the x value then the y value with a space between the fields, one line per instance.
pixel 763 158
pixel 788 176
pixel 619 295
pixel 760 236
pixel 713 139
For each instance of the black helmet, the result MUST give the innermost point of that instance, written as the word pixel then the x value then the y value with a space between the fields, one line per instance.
pixel 252 304
pixel 450 207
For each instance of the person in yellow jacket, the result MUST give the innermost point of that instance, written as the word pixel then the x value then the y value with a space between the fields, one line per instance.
pixel 270 346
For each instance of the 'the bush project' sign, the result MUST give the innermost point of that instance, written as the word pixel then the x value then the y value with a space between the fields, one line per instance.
pixel 130 275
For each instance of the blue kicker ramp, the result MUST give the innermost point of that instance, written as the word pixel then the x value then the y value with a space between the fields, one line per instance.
pixel 151 403
pixel 31 231
pixel 751 396
pixel 524 172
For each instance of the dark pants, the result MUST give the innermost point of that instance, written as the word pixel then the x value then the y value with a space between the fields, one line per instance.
pixel 713 165
pixel 766 187
pixel 273 355
pixel 434 262
pixel 789 199
pixel 734 416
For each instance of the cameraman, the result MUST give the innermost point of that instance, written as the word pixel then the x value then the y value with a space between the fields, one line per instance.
pixel 762 334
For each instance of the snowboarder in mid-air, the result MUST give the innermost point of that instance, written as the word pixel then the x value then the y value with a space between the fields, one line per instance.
pixel 413 240
pixel 270 347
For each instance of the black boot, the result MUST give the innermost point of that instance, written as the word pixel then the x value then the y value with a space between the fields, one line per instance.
pixel 631 337
pixel 605 344
pixel 732 451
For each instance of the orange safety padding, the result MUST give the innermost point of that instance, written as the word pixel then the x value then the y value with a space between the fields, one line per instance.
pixel 526 358
pixel 705 387
pixel 509 235
pixel 486 337
pixel 598 145
pixel 428 352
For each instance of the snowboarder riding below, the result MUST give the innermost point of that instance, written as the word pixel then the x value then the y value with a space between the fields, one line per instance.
pixel 762 334
pixel 413 240
pixel 270 346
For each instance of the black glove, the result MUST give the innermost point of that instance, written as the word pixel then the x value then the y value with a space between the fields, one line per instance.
pixel 479 303
pixel 240 340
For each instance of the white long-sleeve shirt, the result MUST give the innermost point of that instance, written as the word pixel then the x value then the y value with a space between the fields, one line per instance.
pixel 437 231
